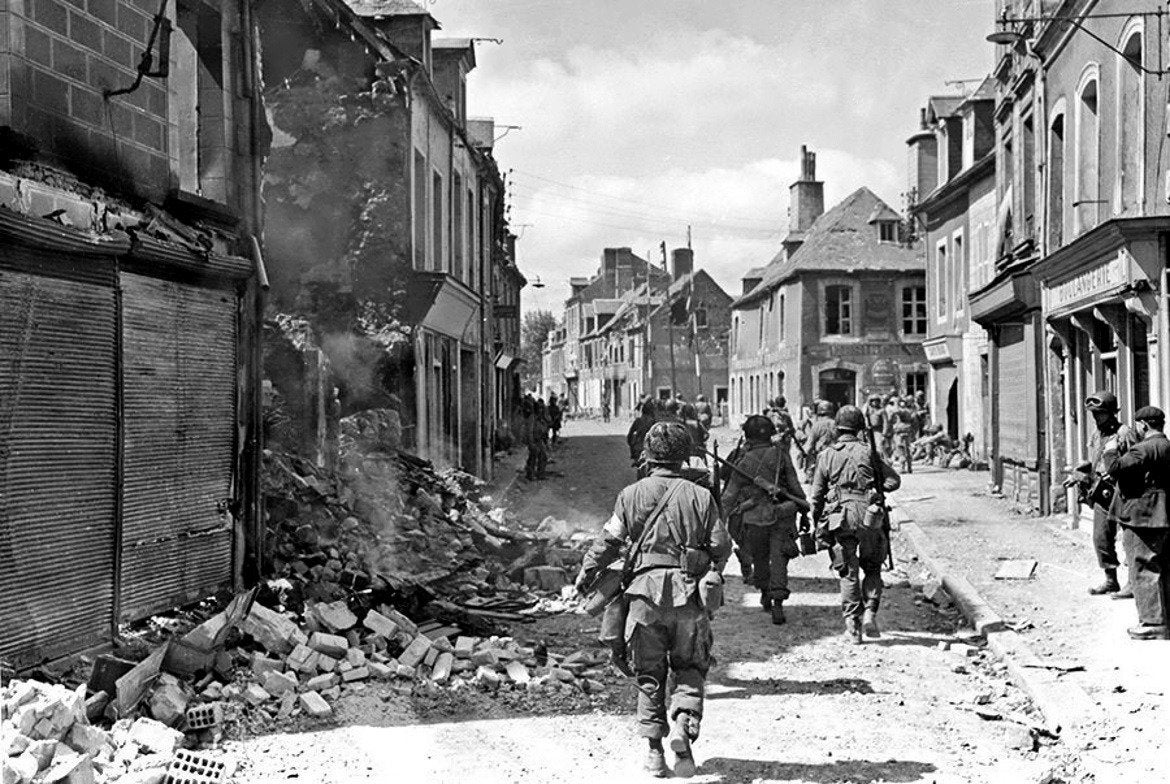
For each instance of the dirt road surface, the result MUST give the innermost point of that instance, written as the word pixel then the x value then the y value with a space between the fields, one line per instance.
pixel 785 704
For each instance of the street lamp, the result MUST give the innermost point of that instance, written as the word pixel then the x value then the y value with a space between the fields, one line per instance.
pixel 1007 31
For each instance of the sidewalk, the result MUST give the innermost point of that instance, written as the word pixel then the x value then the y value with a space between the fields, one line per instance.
pixel 1081 636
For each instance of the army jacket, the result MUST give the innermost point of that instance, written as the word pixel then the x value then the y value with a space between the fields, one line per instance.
pixel 822 433
pixel 844 479
pixel 1126 438
pixel 771 463
pixel 1143 482
pixel 690 519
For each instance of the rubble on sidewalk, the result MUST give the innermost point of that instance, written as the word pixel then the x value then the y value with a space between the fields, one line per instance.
pixel 385 574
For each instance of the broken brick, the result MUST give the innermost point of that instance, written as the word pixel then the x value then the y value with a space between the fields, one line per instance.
pixel 355 674
pixel 380 624
pixel 335 616
pixel 415 652
pixel 277 683
pixel 329 644
pixel 314 704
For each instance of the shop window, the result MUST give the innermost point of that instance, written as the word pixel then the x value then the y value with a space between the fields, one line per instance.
pixel 1056 182
pixel 915 383
pixel 839 310
pixel 914 310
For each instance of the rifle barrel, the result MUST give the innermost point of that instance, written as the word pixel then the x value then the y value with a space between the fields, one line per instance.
pixel 801 503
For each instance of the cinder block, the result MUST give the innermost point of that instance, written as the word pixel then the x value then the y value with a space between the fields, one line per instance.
pixel 204 716
pixel 199 767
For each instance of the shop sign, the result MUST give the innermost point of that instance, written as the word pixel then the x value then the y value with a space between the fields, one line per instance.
pixel 884 373
pixel 1087 284
pixel 937 351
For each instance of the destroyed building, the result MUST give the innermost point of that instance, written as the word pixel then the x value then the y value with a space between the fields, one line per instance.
pixel 130 273
pixel 385 224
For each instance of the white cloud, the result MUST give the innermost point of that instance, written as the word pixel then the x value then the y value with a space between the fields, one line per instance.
pixel 739 216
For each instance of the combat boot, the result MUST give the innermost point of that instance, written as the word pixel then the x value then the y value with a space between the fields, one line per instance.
pixel 853 631
pixel 778 613
pixel 655 763
pixel 869 624
pixel 766 602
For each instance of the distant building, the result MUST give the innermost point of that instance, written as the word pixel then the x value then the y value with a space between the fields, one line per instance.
pixel 952 197
pixel 839 313
pixel 683 316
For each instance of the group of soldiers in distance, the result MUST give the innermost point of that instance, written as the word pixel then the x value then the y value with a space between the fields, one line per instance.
pixel 539 428
pixel 674 529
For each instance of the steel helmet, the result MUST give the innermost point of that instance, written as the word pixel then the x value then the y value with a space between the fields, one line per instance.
pixel 825 407
pixel 668 442
pixel 758 427
pixel 850 418
pixel 1102 401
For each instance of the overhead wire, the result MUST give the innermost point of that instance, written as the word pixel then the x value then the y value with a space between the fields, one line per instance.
pixel 601 194
pixel 648 225
pixel 694 218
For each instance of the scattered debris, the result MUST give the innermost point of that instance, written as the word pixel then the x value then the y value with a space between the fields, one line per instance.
pixel 1019 569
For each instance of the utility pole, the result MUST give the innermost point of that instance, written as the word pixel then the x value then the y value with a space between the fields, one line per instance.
pixel 646 334
pixel 669 324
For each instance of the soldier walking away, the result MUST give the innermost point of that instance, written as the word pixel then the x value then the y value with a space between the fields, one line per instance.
pixel 690 418
pixel 851 522
pixel 821 436
pixel 704 411
pixel 1097 488
pixel 768 528
pixel 535 437
pixel 1143 486
pixel 902 427
pixel 636 436
pixel 605 398
pixel 782 421
pixel 678 546
pixel 555 417
pixel 875 420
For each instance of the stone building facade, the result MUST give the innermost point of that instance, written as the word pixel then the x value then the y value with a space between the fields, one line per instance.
pixel 838 313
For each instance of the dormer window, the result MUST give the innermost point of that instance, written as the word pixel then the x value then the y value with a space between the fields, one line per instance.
pixel 887 231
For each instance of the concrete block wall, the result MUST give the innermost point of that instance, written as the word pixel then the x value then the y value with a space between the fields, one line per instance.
pixel 62 54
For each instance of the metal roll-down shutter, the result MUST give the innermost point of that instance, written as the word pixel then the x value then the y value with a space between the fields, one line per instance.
pixel 179 415
pixel 58 457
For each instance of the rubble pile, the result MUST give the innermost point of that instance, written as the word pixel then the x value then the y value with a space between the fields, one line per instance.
pixel 389 521
pixel 47 735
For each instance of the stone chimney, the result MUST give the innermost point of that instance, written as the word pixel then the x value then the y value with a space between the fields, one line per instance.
pixel 806 195
pixel 682 262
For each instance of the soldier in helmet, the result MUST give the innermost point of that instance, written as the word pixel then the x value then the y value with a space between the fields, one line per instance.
pixel 850 523
pixel 875 420
pixel 902 424
pixel 768 529
pixel 678 546
pixel 821 436
pixel 782 421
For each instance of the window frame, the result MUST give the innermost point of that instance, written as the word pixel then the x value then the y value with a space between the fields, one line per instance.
pixel 941 279
pixel 904 301
pixel 854 289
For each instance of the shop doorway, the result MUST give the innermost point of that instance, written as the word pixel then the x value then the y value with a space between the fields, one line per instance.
pixel 953 411
pixel 838 386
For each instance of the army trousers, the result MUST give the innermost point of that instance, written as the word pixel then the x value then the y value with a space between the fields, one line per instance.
pixel 663 642
pixel 1148 554
pixel 769 549
pixel 1105 538
pixel 534 466
pixel 857 558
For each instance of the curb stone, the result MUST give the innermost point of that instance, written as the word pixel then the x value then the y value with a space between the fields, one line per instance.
pixel 1064 705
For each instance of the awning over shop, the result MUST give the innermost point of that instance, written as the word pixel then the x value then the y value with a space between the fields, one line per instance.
pixel 438 302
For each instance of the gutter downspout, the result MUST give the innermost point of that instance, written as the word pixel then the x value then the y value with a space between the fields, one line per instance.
pixel 1164 330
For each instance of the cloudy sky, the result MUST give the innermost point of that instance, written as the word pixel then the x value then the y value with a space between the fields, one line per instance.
pixel 639 117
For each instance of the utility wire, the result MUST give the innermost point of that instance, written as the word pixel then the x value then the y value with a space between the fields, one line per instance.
pixel 532 192
pixel 647 225
pixel 560 184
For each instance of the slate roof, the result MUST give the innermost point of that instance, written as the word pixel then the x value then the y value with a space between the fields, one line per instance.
pixel 840 241
pixel 943 105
